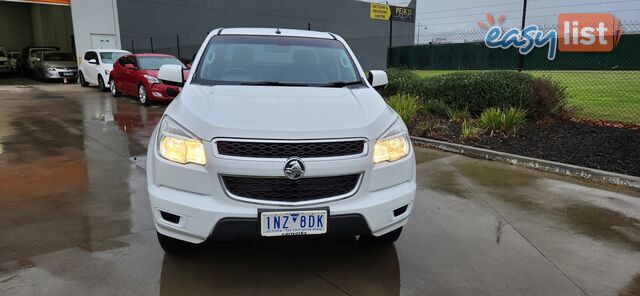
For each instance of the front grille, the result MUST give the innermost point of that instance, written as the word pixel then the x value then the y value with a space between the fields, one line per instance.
pixel 283 189
pixel 286 150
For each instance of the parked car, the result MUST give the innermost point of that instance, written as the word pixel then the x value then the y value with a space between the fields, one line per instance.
pixel 278 133
pixel 55 65
pixel 136 75
pixel 5 64
pixel 13 59
pixel 24 65
pixel 96 66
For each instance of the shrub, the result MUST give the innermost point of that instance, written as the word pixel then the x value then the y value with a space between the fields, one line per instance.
pixel 400 81
pixel 430 127
pixel 477 91
pixel 549 100
pixel 513 119
pixel 406 106
pixel 469 131
pixel 491 119
pixel 435 107
pixel 458 115
pixel 499 121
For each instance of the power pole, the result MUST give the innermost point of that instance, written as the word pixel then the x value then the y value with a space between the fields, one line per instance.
pixel 524 22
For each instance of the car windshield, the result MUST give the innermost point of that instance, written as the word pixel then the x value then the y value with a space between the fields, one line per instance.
pixel 279 61
pixel 2 54
pixel 58 56
pixel 154 63
pixel 111 57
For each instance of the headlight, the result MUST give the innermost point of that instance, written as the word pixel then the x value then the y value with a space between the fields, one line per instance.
pixel 177 144
pixel 151 79
pixel 394 143
pixel 50 68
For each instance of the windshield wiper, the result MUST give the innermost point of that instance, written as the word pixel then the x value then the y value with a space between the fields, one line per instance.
pixel 274 83
pixel 341 83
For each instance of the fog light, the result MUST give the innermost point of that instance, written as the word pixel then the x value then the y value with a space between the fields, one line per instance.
pixel 156 94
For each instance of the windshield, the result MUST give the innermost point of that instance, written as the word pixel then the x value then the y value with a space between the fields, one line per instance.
pixel 268 60
pixel 111 57
pixel 58 56
pixel 2 54
pixel 154 63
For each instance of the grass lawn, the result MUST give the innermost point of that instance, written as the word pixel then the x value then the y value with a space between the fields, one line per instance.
pixel 606 95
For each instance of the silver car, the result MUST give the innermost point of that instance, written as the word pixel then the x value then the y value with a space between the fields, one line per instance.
pixel 55 65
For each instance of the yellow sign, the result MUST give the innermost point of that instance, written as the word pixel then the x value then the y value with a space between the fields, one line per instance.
pixel 380 11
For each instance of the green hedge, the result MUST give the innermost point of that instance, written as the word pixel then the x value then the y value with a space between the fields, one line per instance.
pixel 475 91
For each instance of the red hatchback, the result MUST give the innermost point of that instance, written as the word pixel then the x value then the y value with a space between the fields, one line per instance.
pixel 137 75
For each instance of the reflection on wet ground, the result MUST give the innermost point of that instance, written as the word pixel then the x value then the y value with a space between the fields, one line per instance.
pixel 75 220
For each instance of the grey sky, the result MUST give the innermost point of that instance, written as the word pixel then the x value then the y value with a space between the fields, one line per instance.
pixel 452 15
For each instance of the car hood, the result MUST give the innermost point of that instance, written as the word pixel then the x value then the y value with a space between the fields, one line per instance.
pixel 61 63
pixel 276 112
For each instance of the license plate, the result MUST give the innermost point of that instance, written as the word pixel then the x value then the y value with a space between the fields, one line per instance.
pixel 67 74
pixel 293 223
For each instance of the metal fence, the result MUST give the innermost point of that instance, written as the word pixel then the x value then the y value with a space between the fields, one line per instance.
pixel 602 86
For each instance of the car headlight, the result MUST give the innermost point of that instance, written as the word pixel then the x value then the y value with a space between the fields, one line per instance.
pixel 394 144
pixel 50 68
pixel 177 144
pixel 151 79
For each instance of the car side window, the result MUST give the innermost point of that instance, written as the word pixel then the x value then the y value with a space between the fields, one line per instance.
pixel 87 55
pixel 122 61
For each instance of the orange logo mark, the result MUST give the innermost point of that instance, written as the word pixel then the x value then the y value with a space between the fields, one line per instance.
pixel 585 32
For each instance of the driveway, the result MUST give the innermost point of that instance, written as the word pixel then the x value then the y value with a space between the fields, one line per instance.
pixel 75 220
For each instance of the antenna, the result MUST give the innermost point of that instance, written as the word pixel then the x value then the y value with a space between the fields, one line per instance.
pixel 278 31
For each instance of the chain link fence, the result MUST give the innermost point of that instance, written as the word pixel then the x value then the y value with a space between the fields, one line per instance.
pixel 601 86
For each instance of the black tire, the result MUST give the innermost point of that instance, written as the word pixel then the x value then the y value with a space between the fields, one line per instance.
pixel 101 85
pixel 174 246
pixel 114 89
pixel 142 95
pixel 83 82
pixel 387 238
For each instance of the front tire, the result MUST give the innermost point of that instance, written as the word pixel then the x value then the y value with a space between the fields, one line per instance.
pixel 142 95
pixel 114 89
pixel 173 246
pixel 101 85
pixel 83 82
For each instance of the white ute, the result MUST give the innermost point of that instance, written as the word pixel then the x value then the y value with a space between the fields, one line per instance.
pixel 277 132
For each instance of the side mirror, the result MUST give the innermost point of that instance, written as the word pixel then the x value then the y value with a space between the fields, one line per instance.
pixel 93 61
pixel 130 66
pixel 171 75
pixel 378 79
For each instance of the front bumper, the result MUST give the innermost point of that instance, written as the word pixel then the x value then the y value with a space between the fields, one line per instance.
pixel 162 92
pixel 5 68
pixel 61 74
pixel 195 195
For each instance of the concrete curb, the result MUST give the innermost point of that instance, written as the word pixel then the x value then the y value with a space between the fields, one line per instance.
pixel 534 163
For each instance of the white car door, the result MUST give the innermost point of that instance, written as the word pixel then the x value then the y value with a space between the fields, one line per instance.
pixel 89 69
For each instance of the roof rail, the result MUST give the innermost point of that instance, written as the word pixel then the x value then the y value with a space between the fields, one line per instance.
pixel 220 31
pixel 334 37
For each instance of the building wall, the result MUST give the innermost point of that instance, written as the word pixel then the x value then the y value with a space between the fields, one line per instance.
pixel 159 22
pixel 95 20
pixel 51 25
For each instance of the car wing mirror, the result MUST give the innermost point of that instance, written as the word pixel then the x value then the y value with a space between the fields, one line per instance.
pixel 130 67
pixel 93 61
pixel 378 79
pixel 171 75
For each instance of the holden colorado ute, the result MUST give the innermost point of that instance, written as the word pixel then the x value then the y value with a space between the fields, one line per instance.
pixel 278 132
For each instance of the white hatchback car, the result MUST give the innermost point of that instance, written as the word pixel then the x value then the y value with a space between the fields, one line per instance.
pixel 277 132
pixel 96 66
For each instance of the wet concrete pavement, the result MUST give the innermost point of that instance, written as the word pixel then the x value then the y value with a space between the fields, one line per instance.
pixel 75 220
